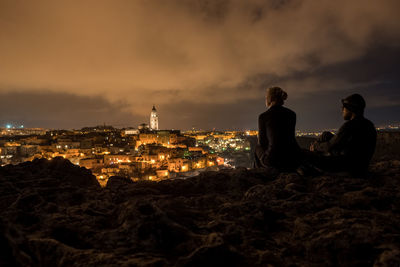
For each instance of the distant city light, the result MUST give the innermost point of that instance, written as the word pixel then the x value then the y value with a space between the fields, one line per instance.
pixel 9 126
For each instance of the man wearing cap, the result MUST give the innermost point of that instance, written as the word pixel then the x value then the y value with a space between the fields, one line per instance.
pixel 351 149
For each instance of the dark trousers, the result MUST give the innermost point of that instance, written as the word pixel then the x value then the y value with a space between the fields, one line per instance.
pixel 263 160
pixel 323 162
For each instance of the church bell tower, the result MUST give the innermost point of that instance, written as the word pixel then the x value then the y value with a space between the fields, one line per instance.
pixel 153 119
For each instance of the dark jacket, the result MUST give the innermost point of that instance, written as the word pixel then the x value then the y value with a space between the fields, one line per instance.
pixel 354 144
pixel 276 137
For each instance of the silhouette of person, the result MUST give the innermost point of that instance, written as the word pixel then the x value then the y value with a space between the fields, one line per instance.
pixel 277 147
pixel 352 148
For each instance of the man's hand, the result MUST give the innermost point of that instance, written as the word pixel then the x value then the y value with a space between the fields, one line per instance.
pixel 319 147
pixel 312 146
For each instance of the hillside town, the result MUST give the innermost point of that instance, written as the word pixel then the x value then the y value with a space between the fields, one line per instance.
pixel 142 153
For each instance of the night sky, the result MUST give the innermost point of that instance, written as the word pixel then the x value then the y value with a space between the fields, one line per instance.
pixel 203 63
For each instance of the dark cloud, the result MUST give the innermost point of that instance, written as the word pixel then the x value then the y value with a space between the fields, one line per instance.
pixel 62 110
pixel 238 115
pixel 212 55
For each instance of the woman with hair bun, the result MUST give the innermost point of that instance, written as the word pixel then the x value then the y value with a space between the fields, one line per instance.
pixel 277 147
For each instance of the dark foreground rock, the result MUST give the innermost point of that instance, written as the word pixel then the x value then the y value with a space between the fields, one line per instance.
pixel 55 214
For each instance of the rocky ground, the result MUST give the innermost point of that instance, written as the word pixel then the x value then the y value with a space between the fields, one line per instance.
pixel 53 213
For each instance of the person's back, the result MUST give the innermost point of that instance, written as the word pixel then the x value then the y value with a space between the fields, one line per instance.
pixel 277 144
pixel 278 140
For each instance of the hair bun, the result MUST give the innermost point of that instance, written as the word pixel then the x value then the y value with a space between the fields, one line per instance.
pixel 277 94
pixel 284 95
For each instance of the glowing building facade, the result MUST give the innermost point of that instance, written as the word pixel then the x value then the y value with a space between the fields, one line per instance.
pixel 153 119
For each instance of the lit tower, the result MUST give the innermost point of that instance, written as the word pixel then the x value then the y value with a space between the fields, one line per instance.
pixel 154 119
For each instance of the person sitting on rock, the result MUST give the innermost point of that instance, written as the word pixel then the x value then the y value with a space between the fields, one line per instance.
pixel 277 147
pixel 352 148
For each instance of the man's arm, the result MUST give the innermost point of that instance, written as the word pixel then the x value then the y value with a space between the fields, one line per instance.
pixel 338 143
pixel 322 143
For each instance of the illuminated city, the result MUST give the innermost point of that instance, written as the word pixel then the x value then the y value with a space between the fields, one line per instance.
pixel 145 153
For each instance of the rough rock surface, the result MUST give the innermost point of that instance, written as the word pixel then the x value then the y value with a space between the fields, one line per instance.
pixel 53 213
